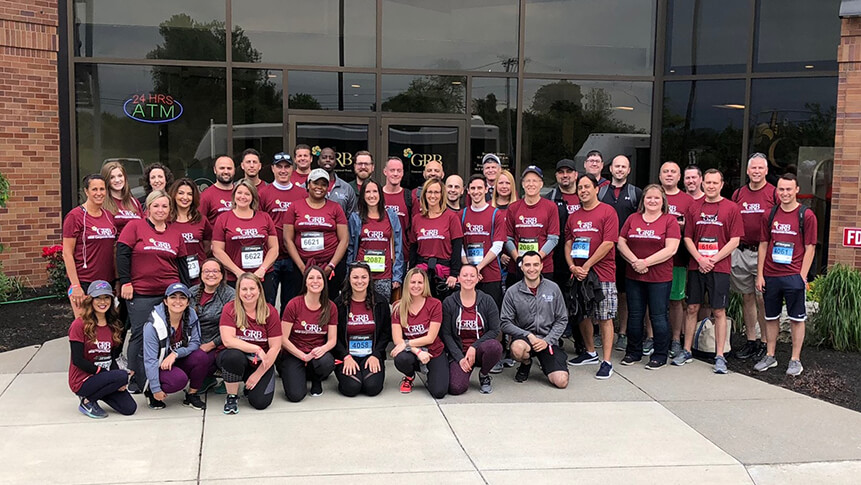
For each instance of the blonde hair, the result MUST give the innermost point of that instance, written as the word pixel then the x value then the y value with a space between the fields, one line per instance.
pixel 403 308
pixel 665 208
pixel 158 194
pixel 261 310
pixel 511 198
pixel 125 194
pixel 255 198
pixel 424 199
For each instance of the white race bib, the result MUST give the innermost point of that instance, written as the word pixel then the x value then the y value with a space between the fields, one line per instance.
pixel 193 266
pixel 312 241
pixel 580 248
pixel 252 257
pixel 781 253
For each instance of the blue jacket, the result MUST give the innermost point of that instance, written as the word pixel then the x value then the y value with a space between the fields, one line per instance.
pixel 157 334
pixel 355 225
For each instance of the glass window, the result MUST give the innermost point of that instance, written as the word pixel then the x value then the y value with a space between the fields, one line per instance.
pixel 158 29
pixel 494 120
pixel 589 37
pixel 707 37
pixel 320 33
pixel 258 97
pixel 424 94
pixel 146 114
pixel 345 138
pixel 796 35
pixel 333 91
pixel 567 119
pixel 418 145
pixel 465 35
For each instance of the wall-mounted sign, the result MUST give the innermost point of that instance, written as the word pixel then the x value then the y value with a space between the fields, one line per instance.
pixel 421 159
pixel 852 237
pixel 152 108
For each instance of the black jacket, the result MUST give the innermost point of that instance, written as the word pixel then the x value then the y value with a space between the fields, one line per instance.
pixel 584 296
pixel 382 334
pixel 451 307
pixel 209 315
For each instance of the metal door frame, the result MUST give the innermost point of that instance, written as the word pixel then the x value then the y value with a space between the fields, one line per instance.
pixel 462 136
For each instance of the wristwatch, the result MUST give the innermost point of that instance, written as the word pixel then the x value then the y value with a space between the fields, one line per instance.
pixel 407 345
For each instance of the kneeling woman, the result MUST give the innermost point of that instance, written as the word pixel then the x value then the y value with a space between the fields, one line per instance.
pixel 364 332
pixel 251 333
pixel 96 340
pixel 470 325
pixel 172 355
pixel 416 321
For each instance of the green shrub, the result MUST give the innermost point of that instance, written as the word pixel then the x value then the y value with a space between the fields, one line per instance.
pixel 837 324
pixel 11 288
pixel 735 311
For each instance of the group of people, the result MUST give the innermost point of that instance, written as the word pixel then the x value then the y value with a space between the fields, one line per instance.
pixel 189 281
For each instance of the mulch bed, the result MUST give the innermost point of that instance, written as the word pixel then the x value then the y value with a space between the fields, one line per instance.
pixel 33 323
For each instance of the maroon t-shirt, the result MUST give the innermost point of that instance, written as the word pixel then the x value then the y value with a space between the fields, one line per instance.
pixel 678 205
pixel 647 238
pixel 215 201
pixel 126 214
pixel 418 325
pixel 398 202
pixel 755 205
pixel 94 244
pixel 530 225
pixel 375 247
pixel 97 351
pixel 276 202
pixel 785 245
pixel 360 320
pixel 588 229
pixel 480 230
pixel 205 297
pixel 470 327
pixel 572 202
pixel 315 231
pixel 193 235
pixel 154 255
pixel 711 225
pixel 245 240
pixel 434 236
pixel 254 333
pixel 306 333
pixel 299 178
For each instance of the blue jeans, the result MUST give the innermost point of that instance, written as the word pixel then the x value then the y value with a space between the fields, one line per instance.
pixel 657 297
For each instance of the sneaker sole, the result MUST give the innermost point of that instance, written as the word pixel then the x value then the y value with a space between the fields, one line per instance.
pixel 91 415
pixel 604 378
pixel 486 392
pixel 795 374
pixel 719 371
pixel 648 367
pixel 231 411
pixel 189 405
pixel 772 366
pixel 585 362
pixel 316 394
pixel 622 362
pixel 496 371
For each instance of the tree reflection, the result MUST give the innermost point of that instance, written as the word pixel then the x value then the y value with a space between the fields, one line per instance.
pixel 429 94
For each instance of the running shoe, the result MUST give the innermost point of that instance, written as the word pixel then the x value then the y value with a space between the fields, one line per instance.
pixel 220 388
pixel 485 382
pixel 584 358
pixel 648 346
pixel 497 369
pixel 655 364
pixel 316 388
pixel 720 365
pixel 622 342
pixel 629 359
pixel 208 384
pixel 407 385
pixel 523 371
pixel 675 348
pixel 766 363
pixel 133 387
pixel 193 400
pixel 605 371
pixel 747 351
pixel 683 357
pixel 761 351
pixel 152 402
pixel 795 368
pixel 231 404
pixel 508 362
pixel 92 410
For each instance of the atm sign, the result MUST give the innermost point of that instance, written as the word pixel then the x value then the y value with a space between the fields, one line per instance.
pixel 152 108
pixel 852 237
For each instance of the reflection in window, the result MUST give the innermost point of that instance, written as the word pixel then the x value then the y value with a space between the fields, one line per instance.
pixel 346 139
pixel 418 145
pixel 706 37
pixel 567 119
pixel 589 37
pixel 332 91
pixel 320 33
pixel 494 120
pixel 424 94
pixel 464 35
pixel 163 29
pixel 258 98
pixel 796 35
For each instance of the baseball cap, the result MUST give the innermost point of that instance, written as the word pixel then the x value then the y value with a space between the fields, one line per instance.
pixel 533 169
pixel 490 157
pixel 99 288
pixel 282 157
pixel 318 173
pixel 177 288
pixel 565 163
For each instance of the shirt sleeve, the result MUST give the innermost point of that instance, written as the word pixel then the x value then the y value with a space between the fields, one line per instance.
pixel 627 225
pixel 690 221
pixel 289 313
pixel 228 316
pixel 736 226
pixel 553 224
pixel 454 226
pixel 810 228
pixel 273 324
pixel 340 217
pixel 76 331
pixel 290 215
pixel 673 231
pixel 333 314
pixel 435 311
pixel 219 229
pixel 72 225
pixel 129 236
pixel 611 228
pixel 207 229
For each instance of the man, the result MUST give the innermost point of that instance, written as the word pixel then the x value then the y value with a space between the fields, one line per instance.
pixel 594 165
pixel 363 166
pixel 490 167
pixel 694 182
pixel 532 224
pixel 433 169
pixel 218 197
pixel 786 252
pixel 339 191
pixel 276 201
pixel 483 238
pixel 534 315
pixel 678 203
pixel 713 228
pixel 564 195
pixel 250 164
pixel 454 192
pixel 754 200
pixel 302 158
pixel 396 197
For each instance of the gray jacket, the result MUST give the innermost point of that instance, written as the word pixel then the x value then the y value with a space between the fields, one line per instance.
pixel 157 334
pixel 543 314
pixel 210 314
pixel 344 195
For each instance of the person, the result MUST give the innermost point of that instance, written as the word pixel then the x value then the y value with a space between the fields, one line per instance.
pixel 678 203
pixel 505 192
pixel 470 326
pixel 363 167
pixel 786 251
pixel 196 231
pixel 754 200
pixel 594 165
pixel 398 199
pixel 150 256
pixel 251 166
pixel 302 157
pixel 534 314
pixel 647 242
pixel 245 240
pixel 120 202
pixel 712 231
pixel 375 239
pixel 95 340
pixel 590 245
pixel 432 170
pixel 416 322
pixel 337 190
pixel 694 182
pixel 309 331
pixel 454 192
pixel 532 224
pixel 89 237
pixel 157 176
pixel 491 166
pixel 436 239
pixel 276 202
pixel 208 300
pixel 483 239
pixel 218 198
pixel 364 333
pixel 316 233
pixel 172 355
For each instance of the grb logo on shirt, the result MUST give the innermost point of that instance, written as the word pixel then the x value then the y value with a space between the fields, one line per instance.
pixel 249 334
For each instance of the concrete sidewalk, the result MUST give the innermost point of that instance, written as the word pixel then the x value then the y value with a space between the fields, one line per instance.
pixel 672 426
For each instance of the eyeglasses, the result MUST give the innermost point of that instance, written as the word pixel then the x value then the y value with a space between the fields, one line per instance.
pixel 364 164
pixel 211 271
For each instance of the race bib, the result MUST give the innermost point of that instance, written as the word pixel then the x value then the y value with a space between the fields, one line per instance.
pixel 104 364
pixel 361 345
pixel 475 253
pixel 252 257
pixel 708 246
pixel 312 241
pixel 528 244
pixel 580 248
pixel 376 259
pixel 193 266
pixel 781 253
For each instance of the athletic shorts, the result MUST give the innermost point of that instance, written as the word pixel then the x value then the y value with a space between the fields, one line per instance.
pixel 715 284
pixel 609 305
pixel 556 360
pixel 743 275
pixel 785 288
pixel 680 280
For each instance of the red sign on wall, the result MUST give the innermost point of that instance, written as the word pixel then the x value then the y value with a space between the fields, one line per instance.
pixel 852 237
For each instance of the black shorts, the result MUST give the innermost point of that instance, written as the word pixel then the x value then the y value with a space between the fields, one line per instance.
pixel 715 284
pixel 551 359
pixel 789 288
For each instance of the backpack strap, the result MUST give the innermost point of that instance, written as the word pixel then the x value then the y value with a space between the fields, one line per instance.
pixel 771 217
pixel 736 195
pixel 408 201
pixel 603 191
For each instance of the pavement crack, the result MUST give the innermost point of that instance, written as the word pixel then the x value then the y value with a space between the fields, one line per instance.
pixel 459 443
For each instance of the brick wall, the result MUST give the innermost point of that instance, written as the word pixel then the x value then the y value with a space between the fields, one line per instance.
pixel 29 135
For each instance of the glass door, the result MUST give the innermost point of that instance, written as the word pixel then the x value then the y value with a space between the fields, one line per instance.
pixel 418 142
pixel 346 135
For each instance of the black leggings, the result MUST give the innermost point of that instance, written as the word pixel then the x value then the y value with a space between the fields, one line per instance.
pixel 408 363
pixel 105 386
pixel 295 373
pixel 371 383
pixel 235 367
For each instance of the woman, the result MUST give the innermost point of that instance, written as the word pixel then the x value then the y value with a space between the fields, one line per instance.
pixel 309 331
pixel 316 233
pixel 172 355
pixel 150 256
pixel 251 332
pixel 648 241
pixel 416 321
pixel 89 236
pixel 244 238
pixel 95 338
pixel 373 232
pixel 120 204
pixel 187 219
pixel 209 299
pixel 436 238
pixel 470 326
pixel 364 332
pixel 156 177
pixel 505 191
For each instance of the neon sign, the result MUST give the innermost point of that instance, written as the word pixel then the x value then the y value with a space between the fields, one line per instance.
pixel 152 108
